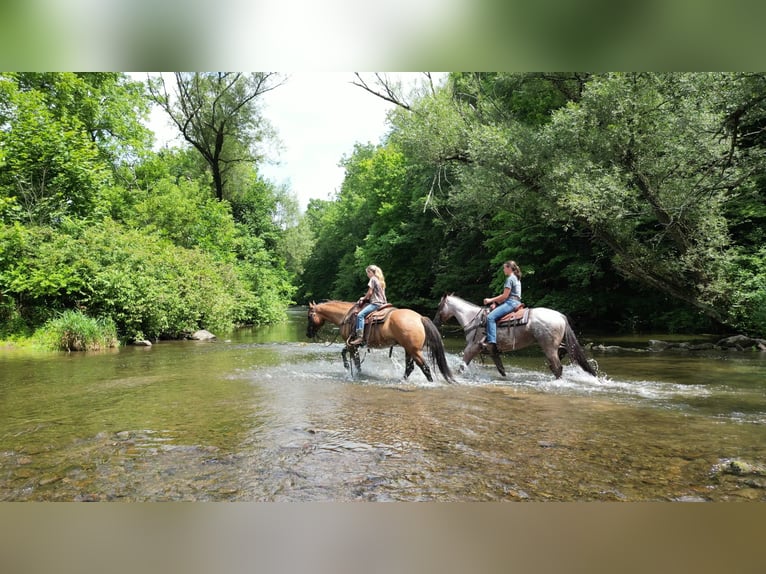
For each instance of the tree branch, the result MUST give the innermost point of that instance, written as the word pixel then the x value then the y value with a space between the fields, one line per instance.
pixel 384 90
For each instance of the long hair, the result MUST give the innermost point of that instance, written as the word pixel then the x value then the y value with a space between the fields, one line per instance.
pixel 514 267
pixel 378 272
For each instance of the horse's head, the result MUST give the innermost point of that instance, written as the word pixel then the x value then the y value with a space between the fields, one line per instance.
pixel 444 311
pixel 315 320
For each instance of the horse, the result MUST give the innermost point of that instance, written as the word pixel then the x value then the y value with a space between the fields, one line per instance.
pixel 403 327
pixel 546 327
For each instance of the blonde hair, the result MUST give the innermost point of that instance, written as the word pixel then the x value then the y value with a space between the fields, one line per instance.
pixel 378 272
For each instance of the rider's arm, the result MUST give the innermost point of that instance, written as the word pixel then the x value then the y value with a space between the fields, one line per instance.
pixel 366 297
pixel 502 297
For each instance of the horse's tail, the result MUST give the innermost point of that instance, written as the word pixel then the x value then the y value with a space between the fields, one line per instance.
pixel 576 352
pixel 436 350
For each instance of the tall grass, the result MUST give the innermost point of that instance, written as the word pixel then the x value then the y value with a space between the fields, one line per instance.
pixel 75 331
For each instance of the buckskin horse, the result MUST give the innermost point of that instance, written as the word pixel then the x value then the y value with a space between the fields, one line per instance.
pixel 403 327
pixel 546 327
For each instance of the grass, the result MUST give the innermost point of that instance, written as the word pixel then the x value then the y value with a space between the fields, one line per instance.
pixel 75 331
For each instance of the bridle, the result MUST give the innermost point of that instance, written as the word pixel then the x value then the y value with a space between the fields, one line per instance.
pixel 312 329
pixel 471 325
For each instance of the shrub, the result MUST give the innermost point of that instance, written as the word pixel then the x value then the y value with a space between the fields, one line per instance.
pixel 75 331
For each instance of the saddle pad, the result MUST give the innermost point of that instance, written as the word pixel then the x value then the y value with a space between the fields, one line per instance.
pixel 520 316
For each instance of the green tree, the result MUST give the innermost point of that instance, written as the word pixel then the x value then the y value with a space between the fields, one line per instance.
pixel 219 115
pixel 645 163
pixel 49 167
pixel 648 168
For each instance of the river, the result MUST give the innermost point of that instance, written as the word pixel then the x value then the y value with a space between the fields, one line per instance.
pixel 264 414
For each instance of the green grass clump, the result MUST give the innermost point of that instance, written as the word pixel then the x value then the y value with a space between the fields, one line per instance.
pixel 75 331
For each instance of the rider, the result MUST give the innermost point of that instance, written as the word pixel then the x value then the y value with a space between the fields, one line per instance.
pixel 506 302
pixel 375 298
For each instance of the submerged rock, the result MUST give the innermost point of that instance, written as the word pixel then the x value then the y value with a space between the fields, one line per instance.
pixel 202 335
pixel 739 468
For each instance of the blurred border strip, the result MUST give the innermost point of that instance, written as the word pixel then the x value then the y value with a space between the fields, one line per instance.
pixel 337 538
pixel 341 35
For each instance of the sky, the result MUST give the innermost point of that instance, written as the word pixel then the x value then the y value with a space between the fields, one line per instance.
pixel 318 117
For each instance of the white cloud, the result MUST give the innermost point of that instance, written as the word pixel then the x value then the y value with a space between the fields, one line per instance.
pixel 319 117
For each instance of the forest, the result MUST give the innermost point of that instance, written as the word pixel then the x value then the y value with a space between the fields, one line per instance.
pixel 633 202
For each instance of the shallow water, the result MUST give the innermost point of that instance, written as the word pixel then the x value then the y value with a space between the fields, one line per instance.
pixel 265 415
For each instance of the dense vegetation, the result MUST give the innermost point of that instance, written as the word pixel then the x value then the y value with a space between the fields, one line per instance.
pixel 632 201
pixel 93 220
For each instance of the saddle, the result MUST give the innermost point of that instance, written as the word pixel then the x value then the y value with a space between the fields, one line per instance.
pixel 519 316
pixel 378 316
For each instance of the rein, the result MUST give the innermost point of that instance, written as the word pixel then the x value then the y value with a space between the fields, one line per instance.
pixel 470 325
pixel 474 320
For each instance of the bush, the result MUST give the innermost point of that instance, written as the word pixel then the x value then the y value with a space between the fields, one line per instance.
pixel 75 331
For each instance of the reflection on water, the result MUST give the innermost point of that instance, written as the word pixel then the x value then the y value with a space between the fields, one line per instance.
pixel 267 415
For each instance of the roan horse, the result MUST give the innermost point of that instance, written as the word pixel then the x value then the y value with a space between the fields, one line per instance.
pixel 546 327
pixel 402 327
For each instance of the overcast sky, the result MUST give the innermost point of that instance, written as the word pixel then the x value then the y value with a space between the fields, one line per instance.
pixel 318 116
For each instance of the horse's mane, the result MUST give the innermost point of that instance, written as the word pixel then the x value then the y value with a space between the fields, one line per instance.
pixel 336 303
pixel 461 299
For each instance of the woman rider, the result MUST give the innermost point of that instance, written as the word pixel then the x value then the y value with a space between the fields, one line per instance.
pixel 375 297
pixel 506 302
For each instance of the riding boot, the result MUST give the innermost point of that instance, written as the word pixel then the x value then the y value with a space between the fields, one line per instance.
pixel 358 339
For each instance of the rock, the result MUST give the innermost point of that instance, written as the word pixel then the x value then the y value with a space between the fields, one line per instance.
pixel 741 342
pixel 701 347
pixel 142 343
pixel 202 335
pixel 739 467
pixel 607 348
pixel 656 345
pixel 690 498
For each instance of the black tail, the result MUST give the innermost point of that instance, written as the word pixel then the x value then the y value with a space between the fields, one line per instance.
pixel 576 352
pixel 436 349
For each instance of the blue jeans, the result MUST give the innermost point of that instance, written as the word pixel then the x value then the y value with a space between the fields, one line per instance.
pixel 502 309
pixel 363 313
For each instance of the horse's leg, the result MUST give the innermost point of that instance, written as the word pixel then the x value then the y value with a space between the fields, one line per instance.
pixel 499 364
pixel 409 365
pixel 357 359
pixel 344 355
pixel 416 357
pixel 554 362
pixel 424 366
pixel 471 350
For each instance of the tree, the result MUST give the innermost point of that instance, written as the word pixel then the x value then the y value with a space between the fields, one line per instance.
pixel 645 163
pixel 218 114
pixel 647 166
pixel 49 166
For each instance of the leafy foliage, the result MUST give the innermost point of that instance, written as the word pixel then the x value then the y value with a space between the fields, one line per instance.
pixel 91 220
pixel 632 201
